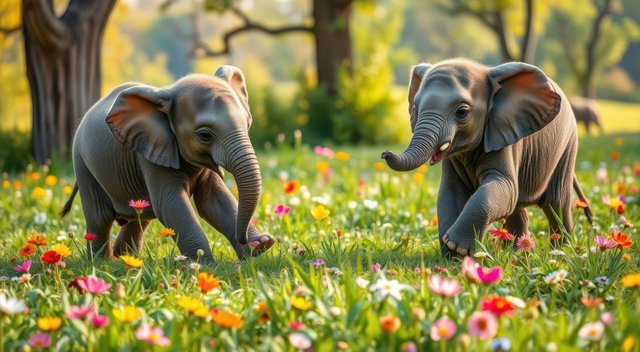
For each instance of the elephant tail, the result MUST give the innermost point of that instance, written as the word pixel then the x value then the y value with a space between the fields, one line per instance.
pixel 67 206
pixel 587 210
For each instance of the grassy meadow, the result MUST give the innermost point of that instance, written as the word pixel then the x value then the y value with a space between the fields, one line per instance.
pixel 356 267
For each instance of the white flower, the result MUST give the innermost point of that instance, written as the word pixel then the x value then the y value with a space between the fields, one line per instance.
pixel 300 341
pixel 294 201
pixel 556 277
pixel 384 288
pixel 335 311
pixel 10 305
pixel 592 331
pixel 73 228
pixel 386 226
pixel 18 194
pixel 195 266
pixel 480 255
pixel 603 280
pixel 516 302
pixel 40 218
pixel 557 252
pixel 370 204
pixel 352 204
pixel 180 258
pixel 362 282
pixel 324 199
pixel 283 175
pixel 552 261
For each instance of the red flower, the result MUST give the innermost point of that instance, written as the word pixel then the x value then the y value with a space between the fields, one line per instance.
pixel 622 240
pixel 74 284
pixel 502 234
pixel 90 236
pixel 497 305
pixel 51 257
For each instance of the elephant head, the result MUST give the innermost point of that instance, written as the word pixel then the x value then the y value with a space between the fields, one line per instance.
pixel 458 104
pixel 200 121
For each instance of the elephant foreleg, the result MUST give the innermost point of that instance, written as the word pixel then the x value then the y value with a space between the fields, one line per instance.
pixel 494 199
pixel 219 208
pixel 518 222
pixel 451 200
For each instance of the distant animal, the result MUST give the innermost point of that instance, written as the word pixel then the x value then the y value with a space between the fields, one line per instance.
pixel 166 145
pixel 507 139
pixel 586 111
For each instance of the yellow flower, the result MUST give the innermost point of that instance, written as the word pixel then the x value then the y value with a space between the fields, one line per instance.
pixel 300 303
pixel 418 178
pixel 127 314
pixel 167 232
pixel 67 190
pixel 379 165
pixel 193 306
pixel 131 261
pixel 342 156
pixel 38 192
pixel 49 323
pixel 629 343
pixel 320 212
pixel 631 280
pixel 50 180
pixel 6 184
pixel 322 167
pixel 626 257
pixel 423 169
pixel 61 249
pixel 618 141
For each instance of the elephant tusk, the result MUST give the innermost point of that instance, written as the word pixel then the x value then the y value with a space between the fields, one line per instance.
pixel 444 146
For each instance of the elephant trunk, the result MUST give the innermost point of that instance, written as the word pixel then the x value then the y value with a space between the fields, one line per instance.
pixel 420 149
pixel 243 165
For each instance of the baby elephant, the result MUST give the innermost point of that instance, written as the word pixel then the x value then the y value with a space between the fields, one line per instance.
pixel 166 145
pixel 507 139
pixel 586 111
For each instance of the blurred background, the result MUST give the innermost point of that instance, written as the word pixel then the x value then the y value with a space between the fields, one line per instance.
pixel 334 69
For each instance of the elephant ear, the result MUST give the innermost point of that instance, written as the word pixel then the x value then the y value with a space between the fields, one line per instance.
pixel 235 78
pixel 138 119
pixel 524 101
pixel 417 75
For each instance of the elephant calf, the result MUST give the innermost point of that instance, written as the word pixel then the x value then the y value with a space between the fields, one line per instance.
pixel 507 138
pixel 166 145
pixel 586 111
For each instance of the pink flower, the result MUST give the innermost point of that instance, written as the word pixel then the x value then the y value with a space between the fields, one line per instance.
pixel 296 325
pixel 470 269
pixel 318 263
pixel 501 234
pixel 39 340
pixel 81 312
pixel 604 243
pixel 282 210
pixel 607 318
pixel 442 329
pixel 24 267
pixel 489 276
pixel 444 287
pixel 94 285
pixel 376 267
pixel 152 336
pixel 324 151
pixel 525 243
pixel 483 324
pixel 99 321
pixel 139 205
pixel 90 236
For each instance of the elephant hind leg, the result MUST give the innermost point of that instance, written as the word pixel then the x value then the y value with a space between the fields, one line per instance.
pixel 130 238
pixel 518 222
pixel 98 212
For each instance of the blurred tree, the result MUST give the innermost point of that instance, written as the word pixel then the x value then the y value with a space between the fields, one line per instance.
pixel 603 46
pixel 63 67
pixel 493 14
pixel 330 29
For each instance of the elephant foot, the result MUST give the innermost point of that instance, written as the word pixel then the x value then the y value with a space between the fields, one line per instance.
pixel 257 245
pixel 459 246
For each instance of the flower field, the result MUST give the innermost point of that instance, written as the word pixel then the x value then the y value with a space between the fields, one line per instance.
pixel 356 267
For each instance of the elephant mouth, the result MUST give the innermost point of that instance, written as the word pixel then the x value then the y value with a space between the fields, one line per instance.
pixel 440 153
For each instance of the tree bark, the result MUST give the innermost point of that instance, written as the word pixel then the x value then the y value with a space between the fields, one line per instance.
pixel 332 40
pixel 588 86
pixel 530 39
pixel 63 68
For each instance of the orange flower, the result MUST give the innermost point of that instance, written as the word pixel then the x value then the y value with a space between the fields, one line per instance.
pixel 581 203
pixel 225 319
pixel 37 240
pixel 622 240
pixel 263 312
pixel 207 282
pixel 27 250
pixel 167 232
pixel 291 187
pixel 322 167
pixel 342 156
pixel 389 323
pixel 591 302
pixel 379 165
pixel 615 156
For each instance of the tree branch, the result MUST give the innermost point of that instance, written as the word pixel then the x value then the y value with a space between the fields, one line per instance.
pixel 602 13
pixel 42 23
pixel 202 49
pixel 527 52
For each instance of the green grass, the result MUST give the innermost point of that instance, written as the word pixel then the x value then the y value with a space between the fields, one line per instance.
pixel 398 234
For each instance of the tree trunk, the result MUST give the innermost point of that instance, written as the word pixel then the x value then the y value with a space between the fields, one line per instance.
pixel 530 39
pixel 63 68
pixel 332 39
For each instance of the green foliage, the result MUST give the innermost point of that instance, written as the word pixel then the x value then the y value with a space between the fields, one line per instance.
pixel 14 150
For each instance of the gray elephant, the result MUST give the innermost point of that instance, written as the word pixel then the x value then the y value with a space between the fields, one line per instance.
pixel 586 111
pixel 507 139
pixel 166 145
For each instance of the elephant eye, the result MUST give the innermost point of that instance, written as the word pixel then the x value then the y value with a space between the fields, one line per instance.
pixel 463 111
pixel 204 135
